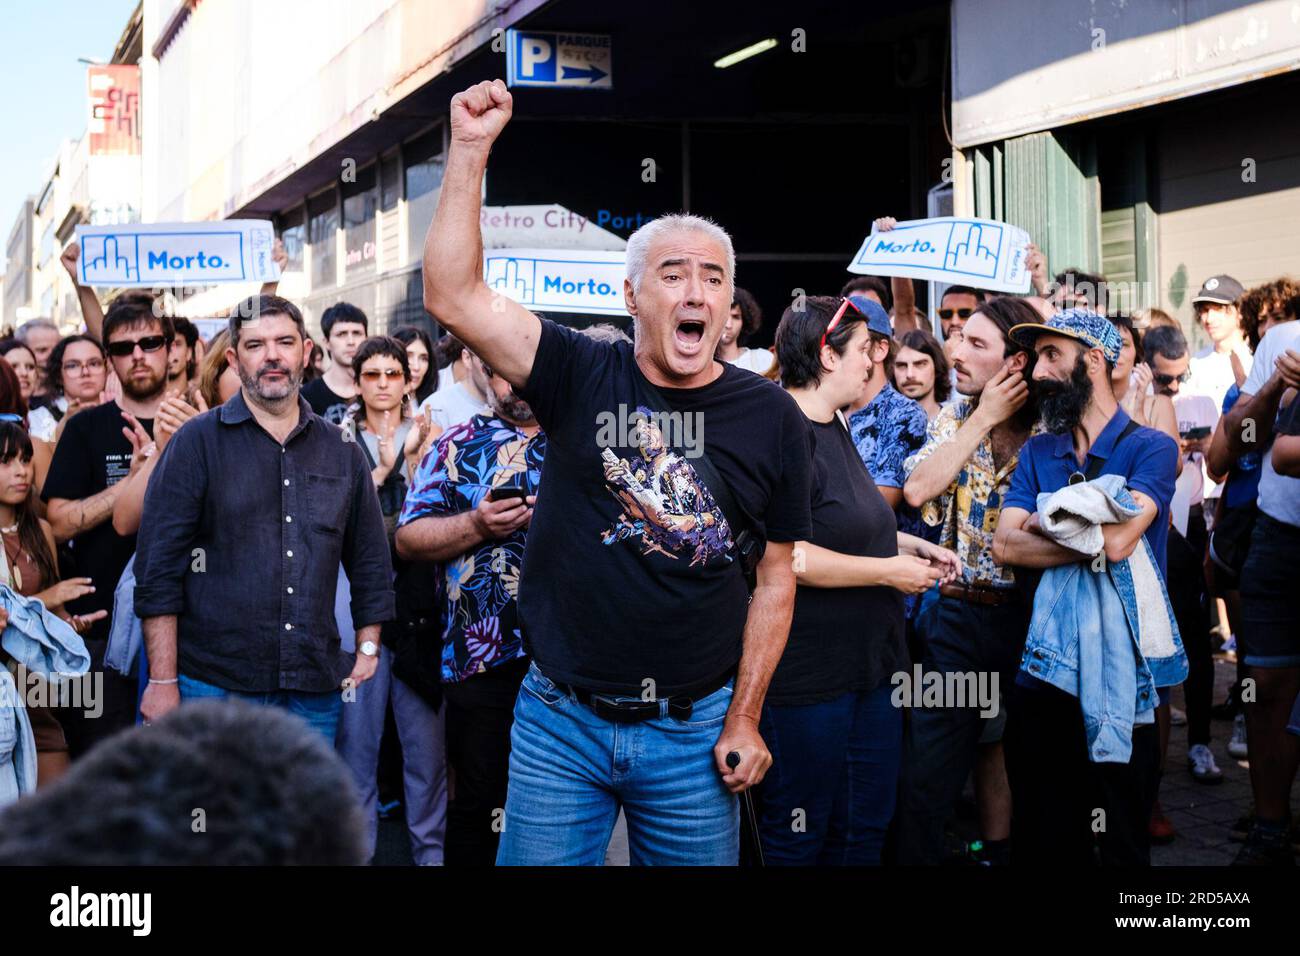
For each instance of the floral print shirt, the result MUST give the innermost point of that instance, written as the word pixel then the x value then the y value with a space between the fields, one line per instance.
pixel 482 623
pixel 967 511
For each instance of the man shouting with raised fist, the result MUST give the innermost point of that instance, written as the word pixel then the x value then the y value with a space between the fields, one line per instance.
pixel 651 656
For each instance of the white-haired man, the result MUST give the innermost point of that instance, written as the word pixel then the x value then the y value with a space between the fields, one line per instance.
pixel 650 658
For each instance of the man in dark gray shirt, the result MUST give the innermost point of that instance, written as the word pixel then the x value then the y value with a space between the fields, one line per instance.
pixel 249 512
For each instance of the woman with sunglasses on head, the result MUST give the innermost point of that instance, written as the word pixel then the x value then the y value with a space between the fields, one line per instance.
pixel 29 566
pixel 77 373
pixel 835 735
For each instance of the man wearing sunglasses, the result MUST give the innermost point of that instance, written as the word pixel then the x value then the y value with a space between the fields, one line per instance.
pixel 91 459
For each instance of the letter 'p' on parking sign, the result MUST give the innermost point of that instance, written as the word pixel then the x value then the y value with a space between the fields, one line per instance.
pixel 536 58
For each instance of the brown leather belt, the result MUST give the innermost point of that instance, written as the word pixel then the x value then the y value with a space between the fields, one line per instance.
pixel 978 593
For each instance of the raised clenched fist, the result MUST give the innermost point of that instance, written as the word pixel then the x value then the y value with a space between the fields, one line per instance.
pixel 479 113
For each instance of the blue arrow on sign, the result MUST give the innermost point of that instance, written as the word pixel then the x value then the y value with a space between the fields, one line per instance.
pixel 593 72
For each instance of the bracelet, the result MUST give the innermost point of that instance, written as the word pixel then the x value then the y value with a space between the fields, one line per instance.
pixel 174 680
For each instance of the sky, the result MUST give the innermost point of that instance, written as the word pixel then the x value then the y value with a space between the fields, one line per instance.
pixel 45 86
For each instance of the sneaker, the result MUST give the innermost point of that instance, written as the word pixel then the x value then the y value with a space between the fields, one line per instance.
pixel 1241 829
pixel 1237 745
pixel 1160 826
pixel 1202 766
pixel 1177 718
pixel 1229 709
pixel 1263 848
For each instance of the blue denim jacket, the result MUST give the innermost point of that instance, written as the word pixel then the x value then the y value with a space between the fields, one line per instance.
pixel 44 644
pixel 125 632
pixel 1085 638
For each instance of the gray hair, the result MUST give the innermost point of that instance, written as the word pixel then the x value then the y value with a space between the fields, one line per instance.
pixel 26 328
pixel 1165 340
pixel 638 247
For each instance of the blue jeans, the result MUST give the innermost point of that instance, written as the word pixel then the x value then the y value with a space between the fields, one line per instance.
pixel 321 711
pixel 829 796
pixel 571 770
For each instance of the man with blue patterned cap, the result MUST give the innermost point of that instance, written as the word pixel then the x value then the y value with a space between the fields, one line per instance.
pixel 1061 801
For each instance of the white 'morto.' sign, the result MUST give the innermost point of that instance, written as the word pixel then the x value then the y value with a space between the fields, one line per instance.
pixel 980 253
pixel 183 253
pixel 587 281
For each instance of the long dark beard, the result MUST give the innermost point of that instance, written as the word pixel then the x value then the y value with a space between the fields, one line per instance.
pixel 1062 404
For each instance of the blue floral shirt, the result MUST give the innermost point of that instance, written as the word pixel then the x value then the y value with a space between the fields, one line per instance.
pixel 481 585
pixel 886 432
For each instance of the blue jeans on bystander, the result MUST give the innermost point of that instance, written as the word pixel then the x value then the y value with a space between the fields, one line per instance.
pixel 321 711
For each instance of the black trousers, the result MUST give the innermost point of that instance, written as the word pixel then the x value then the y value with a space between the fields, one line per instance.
pixel 112 699
pixel 1062 804
pixel 1189 597
pixel 480 713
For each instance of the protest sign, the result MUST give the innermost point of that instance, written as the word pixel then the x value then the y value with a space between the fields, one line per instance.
pixel 951 249
pixel 183 253
pixel 588 281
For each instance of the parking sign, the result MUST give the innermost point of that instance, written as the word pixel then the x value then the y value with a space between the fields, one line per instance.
pixel 559 60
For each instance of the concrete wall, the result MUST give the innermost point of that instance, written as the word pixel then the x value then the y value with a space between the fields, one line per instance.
pixel 1019 66
pixel 249 91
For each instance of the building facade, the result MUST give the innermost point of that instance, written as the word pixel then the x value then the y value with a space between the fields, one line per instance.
pixel 1154 143
pixel 793 153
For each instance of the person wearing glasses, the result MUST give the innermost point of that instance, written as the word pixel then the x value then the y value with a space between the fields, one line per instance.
pixel 98 449
pixel 1165 347
pixel 77 372
pixel 392 446
pixel 834 732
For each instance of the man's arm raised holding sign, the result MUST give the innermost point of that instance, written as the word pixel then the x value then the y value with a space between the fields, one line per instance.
pixel 494 327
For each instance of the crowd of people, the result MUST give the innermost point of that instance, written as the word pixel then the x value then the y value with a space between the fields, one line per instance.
pixel 574 573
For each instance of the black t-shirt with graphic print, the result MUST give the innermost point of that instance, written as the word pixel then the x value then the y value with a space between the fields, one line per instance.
pixel 629 573
pixel 92 455
pixel 326 402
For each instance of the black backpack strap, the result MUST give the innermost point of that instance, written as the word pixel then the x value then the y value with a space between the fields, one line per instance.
pixel 1095 465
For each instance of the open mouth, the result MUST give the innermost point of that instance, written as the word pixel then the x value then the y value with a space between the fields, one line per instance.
pixel 689 334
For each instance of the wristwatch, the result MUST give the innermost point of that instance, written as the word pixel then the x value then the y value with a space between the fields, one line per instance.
pixel 369 648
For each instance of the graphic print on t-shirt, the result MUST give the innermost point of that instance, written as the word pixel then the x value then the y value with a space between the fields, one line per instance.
pixel 664 502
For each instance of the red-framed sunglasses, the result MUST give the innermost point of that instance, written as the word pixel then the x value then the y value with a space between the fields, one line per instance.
pixel 845 305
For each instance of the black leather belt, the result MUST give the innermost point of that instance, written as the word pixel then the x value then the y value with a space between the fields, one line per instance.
pixel 680 706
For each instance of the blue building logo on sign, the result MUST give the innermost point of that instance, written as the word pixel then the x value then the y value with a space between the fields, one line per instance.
pixel 569 60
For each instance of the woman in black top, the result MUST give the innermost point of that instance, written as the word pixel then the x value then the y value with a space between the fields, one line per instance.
pixel 834 733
